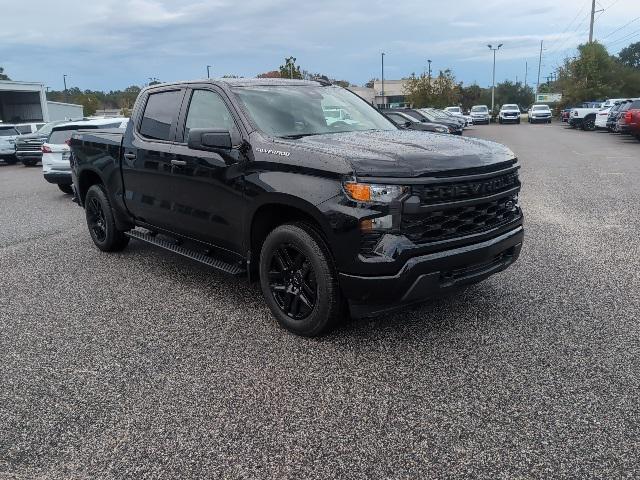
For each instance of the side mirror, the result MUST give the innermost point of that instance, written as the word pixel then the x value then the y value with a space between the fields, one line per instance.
pixel 406 124
pixel 209 139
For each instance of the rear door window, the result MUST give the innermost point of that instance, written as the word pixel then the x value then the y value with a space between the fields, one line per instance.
pixel 160 114
pixel 635 105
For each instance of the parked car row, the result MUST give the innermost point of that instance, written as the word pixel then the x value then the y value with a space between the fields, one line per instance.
pixel 617 115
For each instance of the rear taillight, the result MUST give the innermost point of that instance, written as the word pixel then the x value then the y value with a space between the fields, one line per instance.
pixel 46 149
pixel 627 117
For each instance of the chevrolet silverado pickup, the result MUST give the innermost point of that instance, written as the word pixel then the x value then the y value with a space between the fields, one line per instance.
pixel 250 177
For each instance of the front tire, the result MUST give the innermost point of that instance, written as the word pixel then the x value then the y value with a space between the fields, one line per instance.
pixel 298 280
pixel 10 160
pixel 31 162
pixel 66 188
pixel 101 222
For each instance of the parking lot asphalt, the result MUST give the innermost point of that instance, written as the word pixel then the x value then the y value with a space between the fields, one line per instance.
pixel 143 364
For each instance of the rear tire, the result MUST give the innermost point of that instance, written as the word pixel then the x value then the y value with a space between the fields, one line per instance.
pixel 298 280
pixel 66 188
pixel 101 222
pixel 10 160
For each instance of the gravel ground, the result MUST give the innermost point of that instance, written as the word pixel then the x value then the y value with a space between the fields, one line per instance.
pixel 143 364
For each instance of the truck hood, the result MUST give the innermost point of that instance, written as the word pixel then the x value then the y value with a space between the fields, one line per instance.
pixel 406 153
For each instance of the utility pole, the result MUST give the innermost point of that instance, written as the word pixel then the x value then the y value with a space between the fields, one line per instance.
pixel 593 13
pixel 382 80
pixel 526 70
pixel 429 62
pixel 493 83
pixel 208 72
pixel 539 65
pixel 64 79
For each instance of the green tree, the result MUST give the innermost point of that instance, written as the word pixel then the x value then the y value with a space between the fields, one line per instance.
pixel 289 69
pixel 438 92
pixel 593 75
pixel 630 56
pixel 3 76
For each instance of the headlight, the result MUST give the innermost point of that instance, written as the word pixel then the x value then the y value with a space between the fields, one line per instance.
pixel 369 192
pixel 442 130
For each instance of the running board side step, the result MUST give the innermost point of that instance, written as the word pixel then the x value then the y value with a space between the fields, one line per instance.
pixel 216 263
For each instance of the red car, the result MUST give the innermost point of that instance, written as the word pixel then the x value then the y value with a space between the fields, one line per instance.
pixel 632 119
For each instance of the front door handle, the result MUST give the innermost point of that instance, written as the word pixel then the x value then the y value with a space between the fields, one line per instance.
pixel 130 156
pixel 178 163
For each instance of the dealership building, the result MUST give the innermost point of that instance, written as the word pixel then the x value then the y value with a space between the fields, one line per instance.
pixel 22 102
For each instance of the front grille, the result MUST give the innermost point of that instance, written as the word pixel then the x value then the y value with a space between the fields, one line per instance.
pixel 31 146
pixel 430 194
pixel 451 222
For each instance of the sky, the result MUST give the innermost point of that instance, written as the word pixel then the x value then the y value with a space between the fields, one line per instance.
pixel 111 44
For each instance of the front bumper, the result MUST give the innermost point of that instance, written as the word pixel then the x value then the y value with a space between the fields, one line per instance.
pixel 28 155
pixel 541 118
pixel 483 119
pixel 510 119
pixel 7 151
pixel 430 275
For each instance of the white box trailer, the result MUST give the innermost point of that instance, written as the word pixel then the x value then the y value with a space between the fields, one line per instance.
pixel 64 111
pixel 22 102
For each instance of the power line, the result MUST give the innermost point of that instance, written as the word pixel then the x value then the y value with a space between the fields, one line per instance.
pixel 622 39
pixel 618 29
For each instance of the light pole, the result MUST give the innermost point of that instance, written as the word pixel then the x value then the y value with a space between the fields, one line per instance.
pixel 208 73
pixel 382 92
pixel 493 84
pixel 429 62
pixel 64 79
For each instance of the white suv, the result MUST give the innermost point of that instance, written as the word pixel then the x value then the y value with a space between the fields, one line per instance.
pixel 8 134
pixel 480 114
pixel 56 152
pixel 540 113
pixel 509 112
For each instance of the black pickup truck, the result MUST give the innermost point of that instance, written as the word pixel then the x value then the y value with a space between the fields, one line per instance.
pixel 254 177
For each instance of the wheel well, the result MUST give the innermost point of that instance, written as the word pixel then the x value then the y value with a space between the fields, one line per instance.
pixel 591 115
pixel 268 217
pixel 85 181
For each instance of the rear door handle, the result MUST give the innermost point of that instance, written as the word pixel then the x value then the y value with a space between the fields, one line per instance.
pixel 130 156
pixel 178 163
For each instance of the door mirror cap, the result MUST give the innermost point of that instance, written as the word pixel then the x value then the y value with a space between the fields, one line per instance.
pixel 209 139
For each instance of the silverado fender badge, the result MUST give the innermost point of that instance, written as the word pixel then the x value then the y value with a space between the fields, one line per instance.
pixel 273 152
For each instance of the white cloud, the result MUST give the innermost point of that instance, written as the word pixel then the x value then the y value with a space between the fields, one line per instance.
pixel 111 43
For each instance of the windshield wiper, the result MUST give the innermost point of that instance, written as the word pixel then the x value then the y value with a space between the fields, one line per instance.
pixel 301 135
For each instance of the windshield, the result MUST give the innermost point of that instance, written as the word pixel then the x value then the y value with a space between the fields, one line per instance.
pixel 8 132
pixel 297 111
pixel 452 109
pixel 479 109
pixel 540 107
pixel 511 107
pixel 47 127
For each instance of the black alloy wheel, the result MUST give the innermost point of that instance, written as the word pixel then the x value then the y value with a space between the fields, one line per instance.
pixel 96 220
pixel 589 124
pixel 299 281
pixel 293 282
pixel 101 221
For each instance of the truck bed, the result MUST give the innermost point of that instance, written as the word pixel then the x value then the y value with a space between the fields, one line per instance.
pixel 108 136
